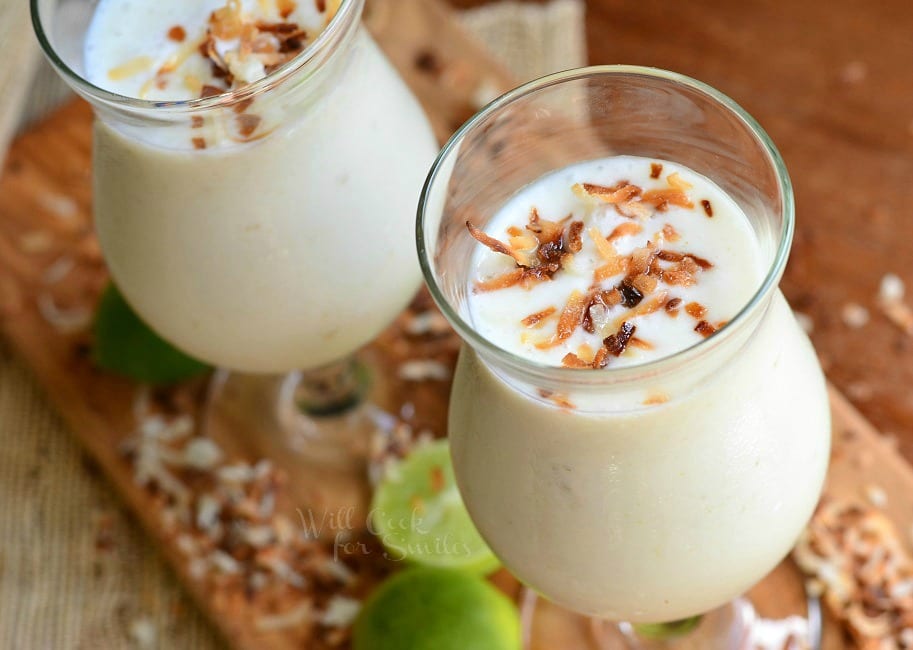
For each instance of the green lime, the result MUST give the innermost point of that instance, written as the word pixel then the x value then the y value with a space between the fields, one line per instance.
pixel 670 630
pixel 423 608
pixel 125 345
pixel 419 516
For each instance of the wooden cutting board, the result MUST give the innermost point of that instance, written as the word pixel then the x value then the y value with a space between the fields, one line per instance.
pixel 50 265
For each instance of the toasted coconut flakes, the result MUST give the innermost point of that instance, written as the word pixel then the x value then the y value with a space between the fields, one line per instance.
pixel 237 473
pixel 610 270
pixel 631 295
pixel 705 329
pixel 620 193
pixel 876 495
pixel 131 68
pixel 866 576
pixel 641 259
pixel 60 206
pixel 340 612
pixel 571 360
pixel 339 571
pixel 570 319
pixel 676 181
pixel 558 399
pixel 574 242
pixel 295 617
pixel 654 303
pixel 503 281
pixel 633 210
pixel 655 170
pixel 224 562
pixel 423 370
pixel 645 284
pixel 58 270
pixel 696 310
pixel 670 233
pixel 144 633
pixel 708 209
pixel 536 320
pixel 617 342
pixel 692 262
pixel 247 124
pixel 495 245
pixel 198 143
pixel 429 322
pixel 36 241
pixel 854 315
pixel 891 288
pixel 626 229
pixel 656 398
pixel 208 509
pixel 662 199
pixel 672 306
pixel 641 344
pixel 202 454
pixel 177 34
pixel 65 321
pixel 890 301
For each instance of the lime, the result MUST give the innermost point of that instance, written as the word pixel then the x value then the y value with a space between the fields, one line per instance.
pixel 424 608
pixel 419 516
pixel 126 346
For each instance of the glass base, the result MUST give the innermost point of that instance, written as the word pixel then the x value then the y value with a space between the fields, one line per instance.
pixel 734 626
pixel 316 426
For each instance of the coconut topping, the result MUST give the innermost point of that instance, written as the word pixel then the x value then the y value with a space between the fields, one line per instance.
pixel 651 271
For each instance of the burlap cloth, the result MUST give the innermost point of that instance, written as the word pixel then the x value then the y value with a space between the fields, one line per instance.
pixel 75 570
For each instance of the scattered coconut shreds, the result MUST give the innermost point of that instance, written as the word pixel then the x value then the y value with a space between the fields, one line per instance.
pixel 875 495
pixel 558 399
pixel 890 301
pixel 340 612
pixel 58 270
pixel 854 315
pixel 222 519
pixel 36 241
pixel 60 206
pixel 791 633
pixel 295 617
pixel 144 633
pixel 423 370
pixel 859 566
pixel 65 321
pixel 427 323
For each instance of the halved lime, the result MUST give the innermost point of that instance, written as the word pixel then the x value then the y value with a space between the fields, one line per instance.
pixel 419 516
pixel 424 608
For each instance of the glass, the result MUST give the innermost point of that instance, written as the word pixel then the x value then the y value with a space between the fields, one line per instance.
pixel 265 230
pixel 620 509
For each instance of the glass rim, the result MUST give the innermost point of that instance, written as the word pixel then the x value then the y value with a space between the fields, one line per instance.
pixel 583 376
pixel 82 85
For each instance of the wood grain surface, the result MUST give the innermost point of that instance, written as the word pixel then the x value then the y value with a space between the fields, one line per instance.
pixel 833 86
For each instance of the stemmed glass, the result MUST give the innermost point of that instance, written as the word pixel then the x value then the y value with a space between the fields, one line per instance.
pixel 622 509
pixel 265 230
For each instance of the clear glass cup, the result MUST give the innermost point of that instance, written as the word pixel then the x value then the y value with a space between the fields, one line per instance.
pixel 618 508
pixel 265 230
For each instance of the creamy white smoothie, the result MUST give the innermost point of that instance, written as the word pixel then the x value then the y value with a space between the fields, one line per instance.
pixel 672 490
pixel 264 233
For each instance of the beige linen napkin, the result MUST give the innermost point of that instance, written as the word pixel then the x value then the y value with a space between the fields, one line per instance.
pixel 75 571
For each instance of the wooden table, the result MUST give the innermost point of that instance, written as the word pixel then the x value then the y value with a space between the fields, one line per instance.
pixel 833 85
